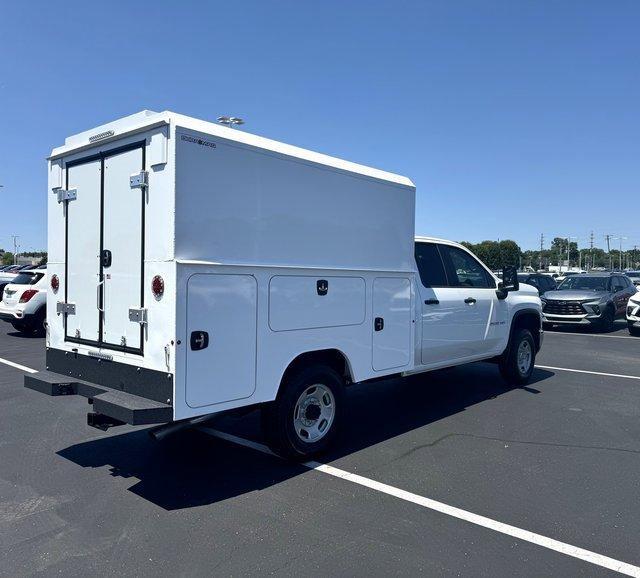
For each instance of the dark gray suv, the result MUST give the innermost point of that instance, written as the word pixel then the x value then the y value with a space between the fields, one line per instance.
pixel 591 299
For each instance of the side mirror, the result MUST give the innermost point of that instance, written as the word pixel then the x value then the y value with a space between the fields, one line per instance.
pixel 509 282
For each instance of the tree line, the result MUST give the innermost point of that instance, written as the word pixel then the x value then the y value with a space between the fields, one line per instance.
pixel 498 254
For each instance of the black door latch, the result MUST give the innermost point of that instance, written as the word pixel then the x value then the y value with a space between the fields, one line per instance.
pixel 105 257
pixel 322 286
pixel 378 324
pixel 199 340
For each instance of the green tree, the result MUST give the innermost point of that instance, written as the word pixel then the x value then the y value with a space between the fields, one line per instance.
pixel 7 258
pixel 496 255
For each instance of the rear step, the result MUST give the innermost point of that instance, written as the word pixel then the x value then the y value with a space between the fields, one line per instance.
pixel 111 406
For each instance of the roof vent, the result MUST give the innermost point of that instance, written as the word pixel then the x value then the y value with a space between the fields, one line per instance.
pixel 101 135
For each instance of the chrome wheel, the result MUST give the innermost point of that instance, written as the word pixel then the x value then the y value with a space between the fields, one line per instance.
pixel 314 413
pixel 525 357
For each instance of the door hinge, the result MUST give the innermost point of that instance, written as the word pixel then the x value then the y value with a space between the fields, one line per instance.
pixel 138 315
pixel 65 308
pixel 139 181
pixel 66 195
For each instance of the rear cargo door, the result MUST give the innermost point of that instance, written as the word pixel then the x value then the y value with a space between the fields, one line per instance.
pixel 105 249
pixel 122 249
pixel 83 250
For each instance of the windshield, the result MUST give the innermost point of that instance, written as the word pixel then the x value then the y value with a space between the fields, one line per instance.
pixel 584 283
pixel 26 278
pixel 634 274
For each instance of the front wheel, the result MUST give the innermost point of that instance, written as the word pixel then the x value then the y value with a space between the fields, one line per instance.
pixel 633 330
pixel 305 417
pixel 518 363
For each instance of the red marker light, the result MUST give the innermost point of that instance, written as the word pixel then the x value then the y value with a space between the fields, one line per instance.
pixel 55 283
pixel 157 286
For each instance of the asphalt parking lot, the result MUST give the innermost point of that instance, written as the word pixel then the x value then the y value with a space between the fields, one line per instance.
pixel 559 458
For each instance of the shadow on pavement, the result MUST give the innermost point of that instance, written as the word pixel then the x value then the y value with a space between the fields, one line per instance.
pixel 191 468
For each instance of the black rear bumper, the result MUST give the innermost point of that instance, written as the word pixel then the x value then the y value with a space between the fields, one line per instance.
pixel 119 406
pixel 119 393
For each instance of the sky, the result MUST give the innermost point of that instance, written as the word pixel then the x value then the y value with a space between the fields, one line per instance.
pixel 514 118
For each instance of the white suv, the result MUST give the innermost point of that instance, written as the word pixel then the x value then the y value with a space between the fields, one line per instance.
pixel 24 302
pixel 633 314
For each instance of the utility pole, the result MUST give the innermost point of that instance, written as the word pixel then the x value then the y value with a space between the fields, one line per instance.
pixel 608 238
pixel 541 249
pixel 15 248
pixel 569 251
pixel 590 253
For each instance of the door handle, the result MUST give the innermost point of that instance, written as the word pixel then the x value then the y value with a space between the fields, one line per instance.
pixel 105 257
pixel 431 301
pixel 199 340
pixel 100 301
pixel 378 324
pixel 469 300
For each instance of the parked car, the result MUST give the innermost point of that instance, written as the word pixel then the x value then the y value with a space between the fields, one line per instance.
pixel 540 281
pixel 634 276
pixel 633 314
pixel 24 302
pixel 589 299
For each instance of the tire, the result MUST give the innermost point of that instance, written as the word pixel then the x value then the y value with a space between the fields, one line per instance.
pixel 607 321
pixel 633 330
pixel 19 326
pixel 518 363
pixel 305 417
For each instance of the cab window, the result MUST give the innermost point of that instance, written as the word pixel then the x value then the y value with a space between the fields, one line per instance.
pixel 464 270
pixel 430 265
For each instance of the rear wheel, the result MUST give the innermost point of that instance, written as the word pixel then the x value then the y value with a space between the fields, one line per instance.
pixel 518 363
pixel 305 417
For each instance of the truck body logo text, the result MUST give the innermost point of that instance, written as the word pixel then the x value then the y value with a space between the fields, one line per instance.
pixel 198 141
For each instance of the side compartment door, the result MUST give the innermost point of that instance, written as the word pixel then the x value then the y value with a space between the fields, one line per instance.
pixel 221 338
pixel 392 326
pixel 121 257
pixel 82 275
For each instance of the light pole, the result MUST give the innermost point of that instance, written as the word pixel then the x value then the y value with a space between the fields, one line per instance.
pixel 620 239
pixel 569 250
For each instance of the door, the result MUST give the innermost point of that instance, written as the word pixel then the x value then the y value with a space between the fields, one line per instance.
pixel 221 338
pixel 105 249
pixel 83 250
pixel 483 320
pixel 443 310
pixel 392 324
pixel 122 250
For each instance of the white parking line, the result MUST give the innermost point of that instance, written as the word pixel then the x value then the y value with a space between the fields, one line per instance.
pixel 18 366
pixel 590 335
pixel 589 372
pixel 478 520
pixel 520 534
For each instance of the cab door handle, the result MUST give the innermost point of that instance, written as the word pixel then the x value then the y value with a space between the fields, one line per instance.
pixel 431 301
pixel 469 300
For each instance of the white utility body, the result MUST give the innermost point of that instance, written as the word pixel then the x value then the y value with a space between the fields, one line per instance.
pixel 196 268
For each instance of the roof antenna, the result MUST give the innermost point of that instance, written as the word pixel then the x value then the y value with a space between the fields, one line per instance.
pixel 230 121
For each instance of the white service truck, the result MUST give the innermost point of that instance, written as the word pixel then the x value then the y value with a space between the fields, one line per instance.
pixel 196 269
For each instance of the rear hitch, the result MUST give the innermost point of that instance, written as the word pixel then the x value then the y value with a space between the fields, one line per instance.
pixel 101 421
